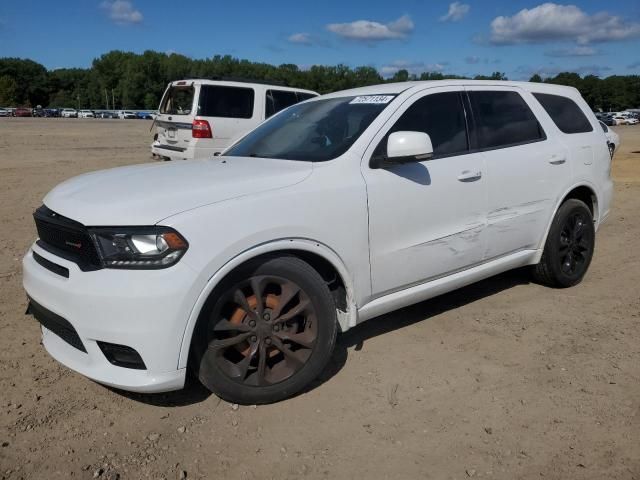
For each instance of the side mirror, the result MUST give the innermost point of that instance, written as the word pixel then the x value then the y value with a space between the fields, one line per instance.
pixel 403 147
pixel 409 147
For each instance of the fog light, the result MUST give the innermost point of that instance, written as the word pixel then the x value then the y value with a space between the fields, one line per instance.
pixel 122 356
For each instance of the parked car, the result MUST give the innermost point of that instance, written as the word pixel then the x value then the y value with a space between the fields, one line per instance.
pixel 4 112
pixel 609 121
pixel 144 115
pixel 106 114
pixel 69 113
pixel 51 112
pixel 200 118
pixel 127 115
pixel 244 268
pixel 613 139
pixel 22 112
pixel 86 114
pixel 632 120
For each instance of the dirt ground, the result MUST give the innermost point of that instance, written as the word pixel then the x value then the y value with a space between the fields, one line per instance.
pixel 503 379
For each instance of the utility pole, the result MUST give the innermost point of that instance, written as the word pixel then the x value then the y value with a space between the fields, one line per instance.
pixel 113 100
pixel 106 97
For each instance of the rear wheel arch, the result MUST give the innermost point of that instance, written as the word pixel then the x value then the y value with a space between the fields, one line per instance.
pixel 320 257
pixel 583 192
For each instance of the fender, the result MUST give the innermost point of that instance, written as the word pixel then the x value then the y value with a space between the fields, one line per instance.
pixel 562 197
pixel 346 321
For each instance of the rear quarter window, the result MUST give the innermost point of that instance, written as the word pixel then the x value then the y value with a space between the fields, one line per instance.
pixel 178 101
pixel 564 112
pixel 226 102
pixel 277 100
pixel 503 119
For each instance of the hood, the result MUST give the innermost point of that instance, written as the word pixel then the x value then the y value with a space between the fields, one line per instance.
pixel 146 194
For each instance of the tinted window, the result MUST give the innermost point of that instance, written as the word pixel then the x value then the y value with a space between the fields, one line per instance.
pixel 314 131
pixel 441 116
pixel 565 113
pixel 279 100
pixel 302 96
pixel 503 119
pixel 229 102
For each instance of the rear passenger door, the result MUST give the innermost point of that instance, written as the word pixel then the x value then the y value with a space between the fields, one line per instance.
pixel 517 155
pixel 229 111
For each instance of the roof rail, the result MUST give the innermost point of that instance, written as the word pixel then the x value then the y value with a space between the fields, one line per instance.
pixel 241 79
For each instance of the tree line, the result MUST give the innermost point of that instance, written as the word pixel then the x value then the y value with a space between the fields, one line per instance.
pixel 126 80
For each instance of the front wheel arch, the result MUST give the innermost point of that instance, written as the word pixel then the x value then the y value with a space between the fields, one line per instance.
pixel 305 249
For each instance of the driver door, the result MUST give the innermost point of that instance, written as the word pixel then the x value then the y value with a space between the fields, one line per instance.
pixel 427 218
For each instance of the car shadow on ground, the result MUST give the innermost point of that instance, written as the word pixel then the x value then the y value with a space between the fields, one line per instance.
pixel 355 338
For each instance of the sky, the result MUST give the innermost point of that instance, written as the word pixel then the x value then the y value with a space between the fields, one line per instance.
pixel 464 37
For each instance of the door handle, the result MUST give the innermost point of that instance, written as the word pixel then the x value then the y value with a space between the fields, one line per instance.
pixel 470 176
pixel 557 159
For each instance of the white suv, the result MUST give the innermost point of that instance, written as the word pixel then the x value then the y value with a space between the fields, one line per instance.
pixel 244 267
pixel 200 118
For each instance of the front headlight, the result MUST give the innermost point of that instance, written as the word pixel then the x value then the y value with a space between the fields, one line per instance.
pixel 139 247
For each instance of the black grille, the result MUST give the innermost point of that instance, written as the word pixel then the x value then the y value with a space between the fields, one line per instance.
pixel 66 238
pixel 56 324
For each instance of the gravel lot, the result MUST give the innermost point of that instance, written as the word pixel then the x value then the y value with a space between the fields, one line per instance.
pixel 503 379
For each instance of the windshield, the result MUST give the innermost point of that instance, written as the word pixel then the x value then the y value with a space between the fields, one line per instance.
pixel 314 131
pixel 178 101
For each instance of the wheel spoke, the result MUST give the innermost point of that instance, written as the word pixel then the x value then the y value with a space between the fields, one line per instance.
pixel 257 286
pixel 289 290
pixel 240 298
pixel 228 342
pixel 262 365
pixel 243 366
pixel 578 228
pixel 290 356
pixel 297 310
pixel 297 338
pixel 227 326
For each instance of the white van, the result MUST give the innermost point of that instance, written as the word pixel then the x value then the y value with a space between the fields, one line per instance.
pixel 200 118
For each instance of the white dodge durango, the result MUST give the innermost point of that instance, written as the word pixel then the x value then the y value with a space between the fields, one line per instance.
pixel 243 268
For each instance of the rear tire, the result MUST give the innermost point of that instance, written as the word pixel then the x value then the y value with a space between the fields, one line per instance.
pixel 569 247
pixel 267 331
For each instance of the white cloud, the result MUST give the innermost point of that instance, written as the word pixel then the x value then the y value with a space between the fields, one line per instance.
pixel 472 60
pixel 300 38
pixel 457 11
pixel 572 52
pixel 122 12
pixel 414 68
pixel 551 22
pixel 367 30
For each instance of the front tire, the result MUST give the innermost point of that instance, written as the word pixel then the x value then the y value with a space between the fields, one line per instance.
pixel 268 330
pixel 569 247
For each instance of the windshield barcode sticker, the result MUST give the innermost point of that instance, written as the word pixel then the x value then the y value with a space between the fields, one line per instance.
pixel 373 99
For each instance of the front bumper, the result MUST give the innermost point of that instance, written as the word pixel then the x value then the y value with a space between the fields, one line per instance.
pixel 146 310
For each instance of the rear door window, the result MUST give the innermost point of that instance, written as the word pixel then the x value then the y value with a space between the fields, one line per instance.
pixel 503 119
pixel 226 102
pixel 178 101
pixel 441 116
pixel 564 112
